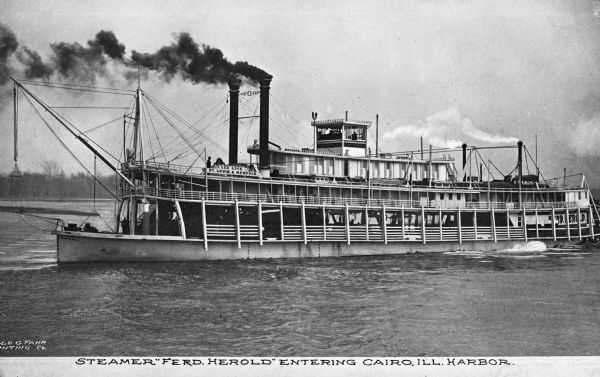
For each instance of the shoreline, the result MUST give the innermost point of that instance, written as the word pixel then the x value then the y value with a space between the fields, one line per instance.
pixel 57 200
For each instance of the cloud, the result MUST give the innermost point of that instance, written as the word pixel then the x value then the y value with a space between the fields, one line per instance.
pixel 450 121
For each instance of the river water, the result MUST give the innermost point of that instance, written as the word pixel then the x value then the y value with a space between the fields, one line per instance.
pixel 517 302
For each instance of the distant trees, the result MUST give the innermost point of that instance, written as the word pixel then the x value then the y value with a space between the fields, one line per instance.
pixel 51 169
pixel 53 183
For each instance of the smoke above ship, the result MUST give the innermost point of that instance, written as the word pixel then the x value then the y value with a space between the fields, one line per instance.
pixel 184 58
pixel 447 122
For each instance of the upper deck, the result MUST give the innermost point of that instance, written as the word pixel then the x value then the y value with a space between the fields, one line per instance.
pixel 244 183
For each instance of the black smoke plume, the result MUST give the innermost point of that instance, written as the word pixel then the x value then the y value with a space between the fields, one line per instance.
pixel 34 65
pixel 84 63
pixel 8 45
pixel 195 63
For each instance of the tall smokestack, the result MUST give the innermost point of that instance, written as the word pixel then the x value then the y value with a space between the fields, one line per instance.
pixel 464 148
pixel 234 95
pixel 264 122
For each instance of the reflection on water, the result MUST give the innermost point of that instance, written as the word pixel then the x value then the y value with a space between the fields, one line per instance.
pixel 514 302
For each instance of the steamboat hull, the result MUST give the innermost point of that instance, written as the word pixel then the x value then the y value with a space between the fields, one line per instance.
pixel 75 247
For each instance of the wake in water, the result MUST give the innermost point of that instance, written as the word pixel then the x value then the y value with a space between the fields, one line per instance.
pixel 526 247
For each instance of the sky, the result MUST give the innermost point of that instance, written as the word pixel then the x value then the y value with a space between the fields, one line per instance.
pixel 484 73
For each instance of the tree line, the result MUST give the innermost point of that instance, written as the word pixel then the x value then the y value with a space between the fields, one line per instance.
pixel 53 183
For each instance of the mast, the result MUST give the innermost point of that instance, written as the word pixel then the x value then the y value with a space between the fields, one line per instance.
pixel 520 169
pixel 16 117
pixel 376 135
pixel 16 172
pixel 138 131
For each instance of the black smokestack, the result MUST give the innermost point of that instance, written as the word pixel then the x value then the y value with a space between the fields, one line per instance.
pixel 464 149
pixel 264 122
pixel 234 94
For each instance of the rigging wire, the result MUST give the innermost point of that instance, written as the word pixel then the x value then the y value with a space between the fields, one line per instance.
pixel 78 130
pixel 83 134
pixel 82 89
pixel 537 167
pixel 298 135
pixel 75 85
pixel 172 125
pixel 494 165
pixel 157 104
pixel 30 224
pixel 102 125
pixel 223 104
pixel 487 166
pixel 148 134
pixel 67 148
pixel 89 107
pixel 154 128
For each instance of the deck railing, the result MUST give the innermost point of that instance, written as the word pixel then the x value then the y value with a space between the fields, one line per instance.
pixel 376 233
pixel 570 182
pixel 333 201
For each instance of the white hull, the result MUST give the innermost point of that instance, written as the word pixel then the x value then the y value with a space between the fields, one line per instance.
pixel 100 247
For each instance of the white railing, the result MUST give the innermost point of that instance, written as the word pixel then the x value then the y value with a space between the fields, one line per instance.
pixel 334 201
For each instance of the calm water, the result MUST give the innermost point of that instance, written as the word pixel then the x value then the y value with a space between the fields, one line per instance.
pixel 509 303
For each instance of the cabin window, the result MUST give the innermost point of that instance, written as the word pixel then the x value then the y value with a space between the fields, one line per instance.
pixel 329 134
pixel 442 196
pixel 579 195
pixel 354 133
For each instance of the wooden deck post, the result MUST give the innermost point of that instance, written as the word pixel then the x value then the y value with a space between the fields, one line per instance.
pixel 494 224
pixel 579 222
pixel 303 218
pixel 204 227
pixel 568 223
pixel 156 218
pixel 238 235
pixel 524 222
pixel 132 209
pixel 347 215
pixel 423 225
pixel 260 223
pixel 367 221
pixel 508 223
pixel 441 238
pixel 553 224
pixel 537 224
pixel 475 221
pixel 383 224
pixel 403 230
pixel 591 222
pixel 281 221
pixel 459 225
pixel 324 223
pixel 180 222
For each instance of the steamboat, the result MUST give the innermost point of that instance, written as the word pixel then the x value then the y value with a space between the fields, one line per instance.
pixel 333 199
